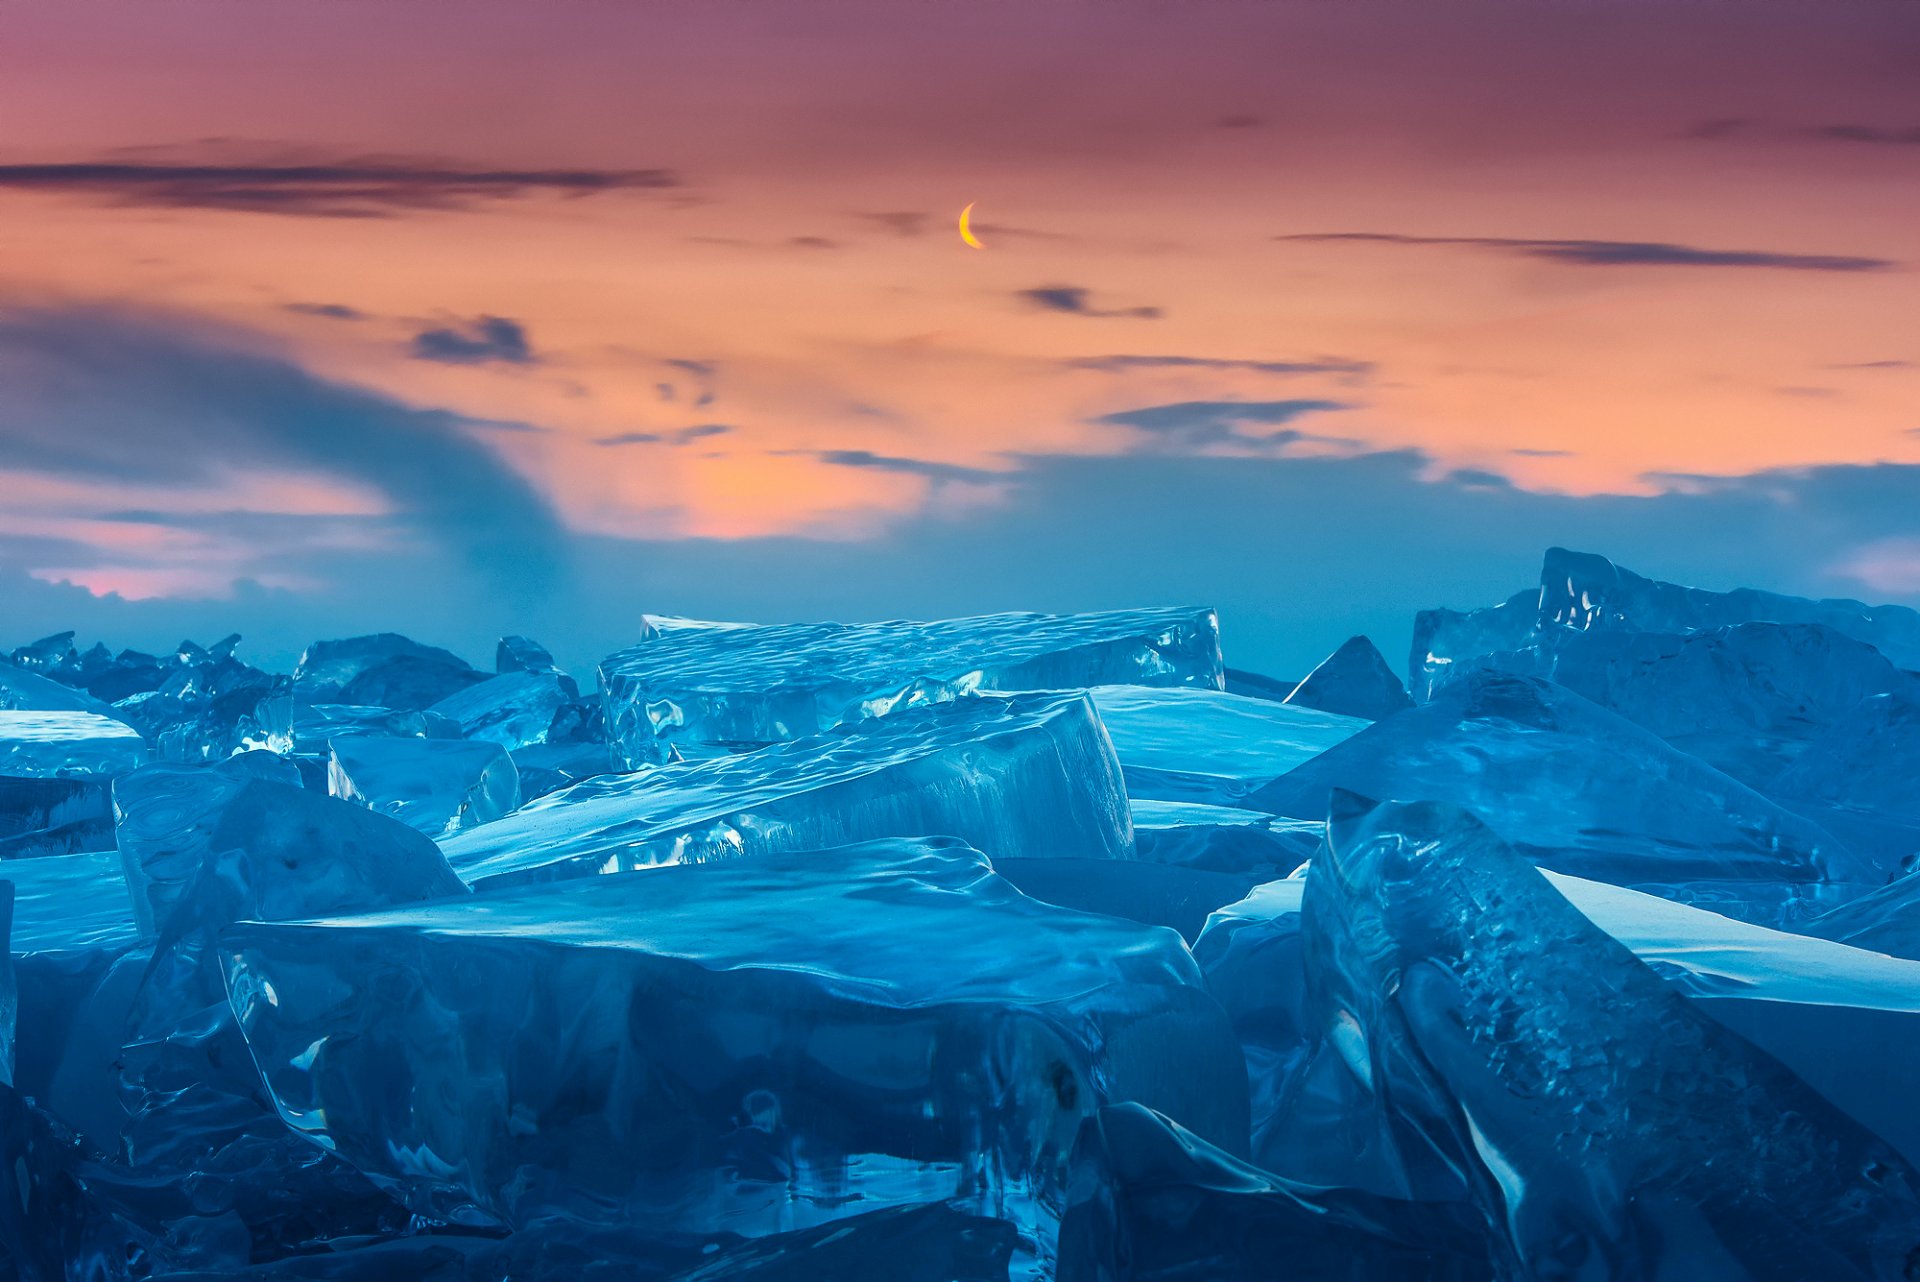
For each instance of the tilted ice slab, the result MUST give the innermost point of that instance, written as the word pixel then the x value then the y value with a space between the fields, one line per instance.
pixel 891 1023
pixel 1826 1011
pixel 514 710
pixel 1746 699
pixel 695 688
pixel 1586 792
pixel 1496 1040
pixel 1209 746
pixel 1030 774
pixel 438 786
pixel 70 903
pixel 66 744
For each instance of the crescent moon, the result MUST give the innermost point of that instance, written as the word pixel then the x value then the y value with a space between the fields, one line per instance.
pixel 966 232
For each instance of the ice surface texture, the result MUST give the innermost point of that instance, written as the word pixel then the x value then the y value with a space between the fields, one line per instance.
pixel 695 688
pixel 1209 746
pixel 896 1024
pixel 1604 1126
pixel 1586 792
pixel 1029 775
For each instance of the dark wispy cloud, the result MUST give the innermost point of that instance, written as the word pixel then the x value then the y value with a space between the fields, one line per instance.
pixel 1077 300
pixel 1802 392
pixel 1874 365
pixel 481 341
pixel 161 402
pixel 334 187
pixel 1614 253
pixel 812 242
pixel 1881 135
pixel 900 222
pixel 927 469
pixel 1338 365
pixel 1534 453
pixel 1239 122
pixel 1199 425
pixel 676 436
pixel 1479 478
pixel 330 311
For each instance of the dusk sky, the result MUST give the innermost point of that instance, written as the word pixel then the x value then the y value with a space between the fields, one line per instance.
pixel 337 317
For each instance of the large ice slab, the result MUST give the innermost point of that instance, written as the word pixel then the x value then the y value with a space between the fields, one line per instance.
pixel 73 903
pixel 1353 681
pixel 894 1024
pixel 702 687
pixel 1604 1125
pixel 1746 699
pixel 1443 638
pixel 1209 746
pixel 1827 1012
pixel 191 837
pixel 1586 792
pixel 438 786
pixel 67 745
pixel 1025 775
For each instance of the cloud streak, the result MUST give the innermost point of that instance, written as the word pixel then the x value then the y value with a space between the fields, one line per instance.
pixel 346 187
pixel 1191 426
pixel 1077 300
pixel 1120 364
pixel 677 437
pixel 483 340
pixel 1613 253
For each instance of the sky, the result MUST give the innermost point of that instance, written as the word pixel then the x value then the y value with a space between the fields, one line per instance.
pixel 349 316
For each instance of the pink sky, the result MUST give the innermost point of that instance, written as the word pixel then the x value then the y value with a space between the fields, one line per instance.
pixel 1149 154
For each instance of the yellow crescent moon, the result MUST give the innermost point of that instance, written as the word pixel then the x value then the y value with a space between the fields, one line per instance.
pixel 966 232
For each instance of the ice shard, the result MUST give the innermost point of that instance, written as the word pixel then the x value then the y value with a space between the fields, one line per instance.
pixel 1353 681
pixel 522 654
pixel 384 670
pixel 1586 792
pixel 55 771
pixel 898 1025
pixel 706 688
pixel 516 710
pixel 1443 638
pixel 1209 746
pixel 1154 1203
pixel 1022 775
pixel 1604 1125
pixel 438 786
pixel 22 690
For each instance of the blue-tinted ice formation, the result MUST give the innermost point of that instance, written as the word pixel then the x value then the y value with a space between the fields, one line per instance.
pixel 898 1025
pixel 976 950
pixel 698 687
pixel 1025 775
